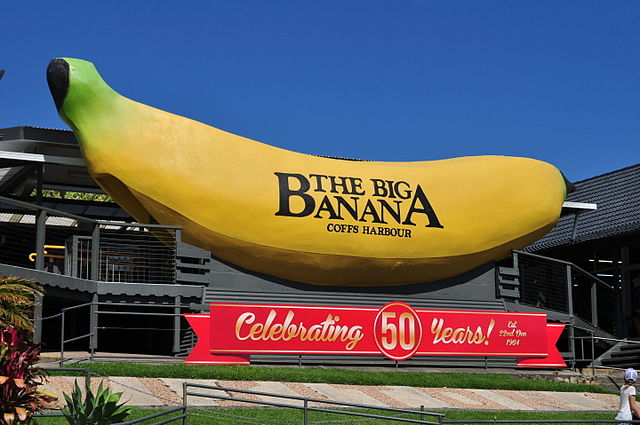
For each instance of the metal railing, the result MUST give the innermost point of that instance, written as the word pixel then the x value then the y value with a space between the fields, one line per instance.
pixel 305 405
pixel 62 339
pixel 588 343
pixel 162 416
pixel 72 245
pixel 561 286
pixel 564 287
pixel 98 309
pixel 541 421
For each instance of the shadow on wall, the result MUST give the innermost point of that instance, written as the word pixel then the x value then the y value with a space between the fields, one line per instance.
pixel 245 277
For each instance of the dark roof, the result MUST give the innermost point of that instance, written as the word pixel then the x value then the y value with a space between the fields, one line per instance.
pixel 52 135
pixel 22 148
pixel 617 195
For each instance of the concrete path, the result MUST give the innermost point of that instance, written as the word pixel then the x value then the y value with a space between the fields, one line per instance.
pixel 168 392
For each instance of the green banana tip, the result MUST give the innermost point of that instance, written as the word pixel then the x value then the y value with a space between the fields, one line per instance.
pixel 62 73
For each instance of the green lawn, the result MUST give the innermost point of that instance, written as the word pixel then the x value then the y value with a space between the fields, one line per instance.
pixel 338 376
pixel 248 415
pixel 232 416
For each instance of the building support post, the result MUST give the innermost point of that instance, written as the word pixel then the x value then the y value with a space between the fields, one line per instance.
pixel 176 325
pixel 594 304
pixel 95 252
pixel 41 229
pixel 627 290
pixel 177 234
pixel 572 341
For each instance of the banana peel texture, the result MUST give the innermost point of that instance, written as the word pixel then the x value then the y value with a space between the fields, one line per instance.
pixel 300 217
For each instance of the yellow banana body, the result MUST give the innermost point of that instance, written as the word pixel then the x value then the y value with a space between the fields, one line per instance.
pixel 307 218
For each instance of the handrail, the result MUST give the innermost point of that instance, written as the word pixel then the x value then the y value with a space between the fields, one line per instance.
pixel 78 337
pixel 155 415
pixel 318 409
pixel 74 307
pixel 591 337
pixel 60 213
pixel 542 257
pixel 600 338
pixel 47 318
pixel 306 400
pixel 568 263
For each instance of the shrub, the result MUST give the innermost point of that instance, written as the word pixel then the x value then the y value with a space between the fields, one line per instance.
pixel 99 409
pixel 19 378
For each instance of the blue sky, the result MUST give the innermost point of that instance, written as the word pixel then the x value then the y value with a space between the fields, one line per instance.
pixel 394 80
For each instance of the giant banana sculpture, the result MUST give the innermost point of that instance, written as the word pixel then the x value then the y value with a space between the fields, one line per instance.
pixel 301 217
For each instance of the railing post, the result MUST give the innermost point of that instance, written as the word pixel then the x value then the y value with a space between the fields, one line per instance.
pixel 95 252
pixel 184 402
pixel 93 324
pixel 306 412
pixel 62 339
pixel 593 356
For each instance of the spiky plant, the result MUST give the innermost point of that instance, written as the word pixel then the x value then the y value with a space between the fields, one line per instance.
pixel 101 408
pixel 17 299
pixel 19 379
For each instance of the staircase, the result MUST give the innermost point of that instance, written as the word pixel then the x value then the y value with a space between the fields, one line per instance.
pixel 188 340
pixel 623 355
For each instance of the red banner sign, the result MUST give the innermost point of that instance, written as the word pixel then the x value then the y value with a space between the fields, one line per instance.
pixel 231 332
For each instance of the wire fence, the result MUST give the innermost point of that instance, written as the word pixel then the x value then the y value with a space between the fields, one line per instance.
pixel 543 283
pixel 138 254
pixel 80 247
pixel 557 285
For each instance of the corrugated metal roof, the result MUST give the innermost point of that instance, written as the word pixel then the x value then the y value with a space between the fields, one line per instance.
pixel 617 195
